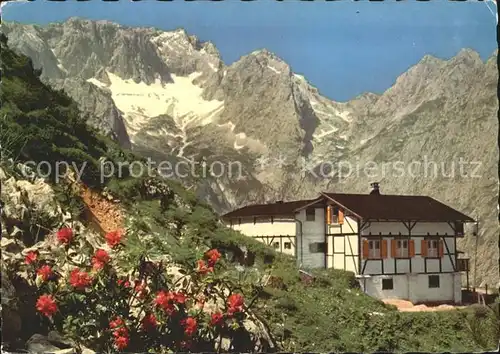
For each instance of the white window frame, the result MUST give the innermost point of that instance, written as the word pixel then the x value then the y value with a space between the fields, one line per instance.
pixel 374 249
pixel 402 248
pixel 287 246
pixel 432 248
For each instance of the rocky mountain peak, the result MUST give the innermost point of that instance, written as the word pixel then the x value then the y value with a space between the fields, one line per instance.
pixel 429 59
pixel 210 49
pixel 263 60
pixel 468 57
pixel 263 52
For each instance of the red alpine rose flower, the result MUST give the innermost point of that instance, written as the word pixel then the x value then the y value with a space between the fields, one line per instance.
pixel 165 300
pixel 216 319
pixel 235 303
pixel 65 235
pixel 46 305
pixel 149 322
pixel 190 326
pixel 213 256
pixel 161 299
pixel 121 342
pixel 120 332
pixel 180 298
pixel 113 238
pixel 31 257
pixel 45 272
pixel 101 257
pixel 117 322
pixel 119 327
pixel 202 267
pixel 79 279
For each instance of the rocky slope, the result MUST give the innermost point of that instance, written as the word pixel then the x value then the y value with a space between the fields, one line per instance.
pixel 29 199
pixel 173 98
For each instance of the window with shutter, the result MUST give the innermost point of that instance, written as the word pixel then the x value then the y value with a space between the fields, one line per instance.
pixel 411 248
pixel 423 248
pixel 383 249
pixel 402 248
pixel 340 217
pixel 335 215
pixel 441 248
pixel 374 249
pixel 366 249
pixel 432 248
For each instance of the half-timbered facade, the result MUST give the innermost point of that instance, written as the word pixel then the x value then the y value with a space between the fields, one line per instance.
pixel 273 224
pixel 398 246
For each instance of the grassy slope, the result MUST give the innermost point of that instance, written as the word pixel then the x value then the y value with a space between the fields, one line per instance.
pixel 334 314
pixel 331 315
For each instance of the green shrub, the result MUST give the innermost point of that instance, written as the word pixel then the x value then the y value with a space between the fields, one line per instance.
pixel 98 305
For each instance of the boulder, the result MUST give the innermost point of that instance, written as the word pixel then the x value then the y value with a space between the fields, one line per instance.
pixel 40 344
pixel 11 319
pixel 30 209
pixel 54 342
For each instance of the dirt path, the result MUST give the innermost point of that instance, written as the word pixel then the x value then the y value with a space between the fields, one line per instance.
pixel 407 306
pixel 106 214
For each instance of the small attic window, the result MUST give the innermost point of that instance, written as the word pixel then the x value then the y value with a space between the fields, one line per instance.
pixel 459 228
pixel 310 214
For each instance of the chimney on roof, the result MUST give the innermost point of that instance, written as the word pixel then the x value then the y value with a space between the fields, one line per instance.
pixel 375 188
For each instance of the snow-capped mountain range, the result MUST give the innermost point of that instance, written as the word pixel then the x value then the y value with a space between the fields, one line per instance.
pixel 169 96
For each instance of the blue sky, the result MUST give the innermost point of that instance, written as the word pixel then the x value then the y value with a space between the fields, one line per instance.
pixel 344 48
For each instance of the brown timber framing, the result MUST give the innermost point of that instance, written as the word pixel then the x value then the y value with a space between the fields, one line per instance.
pixel 362 225
pixel 453 264
pixel 409 226
pixel 381 260
pixel 325 238
pixel 329 237
pixel 456 254
pixel 352 218
pixel 436 237
pixel 356 267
